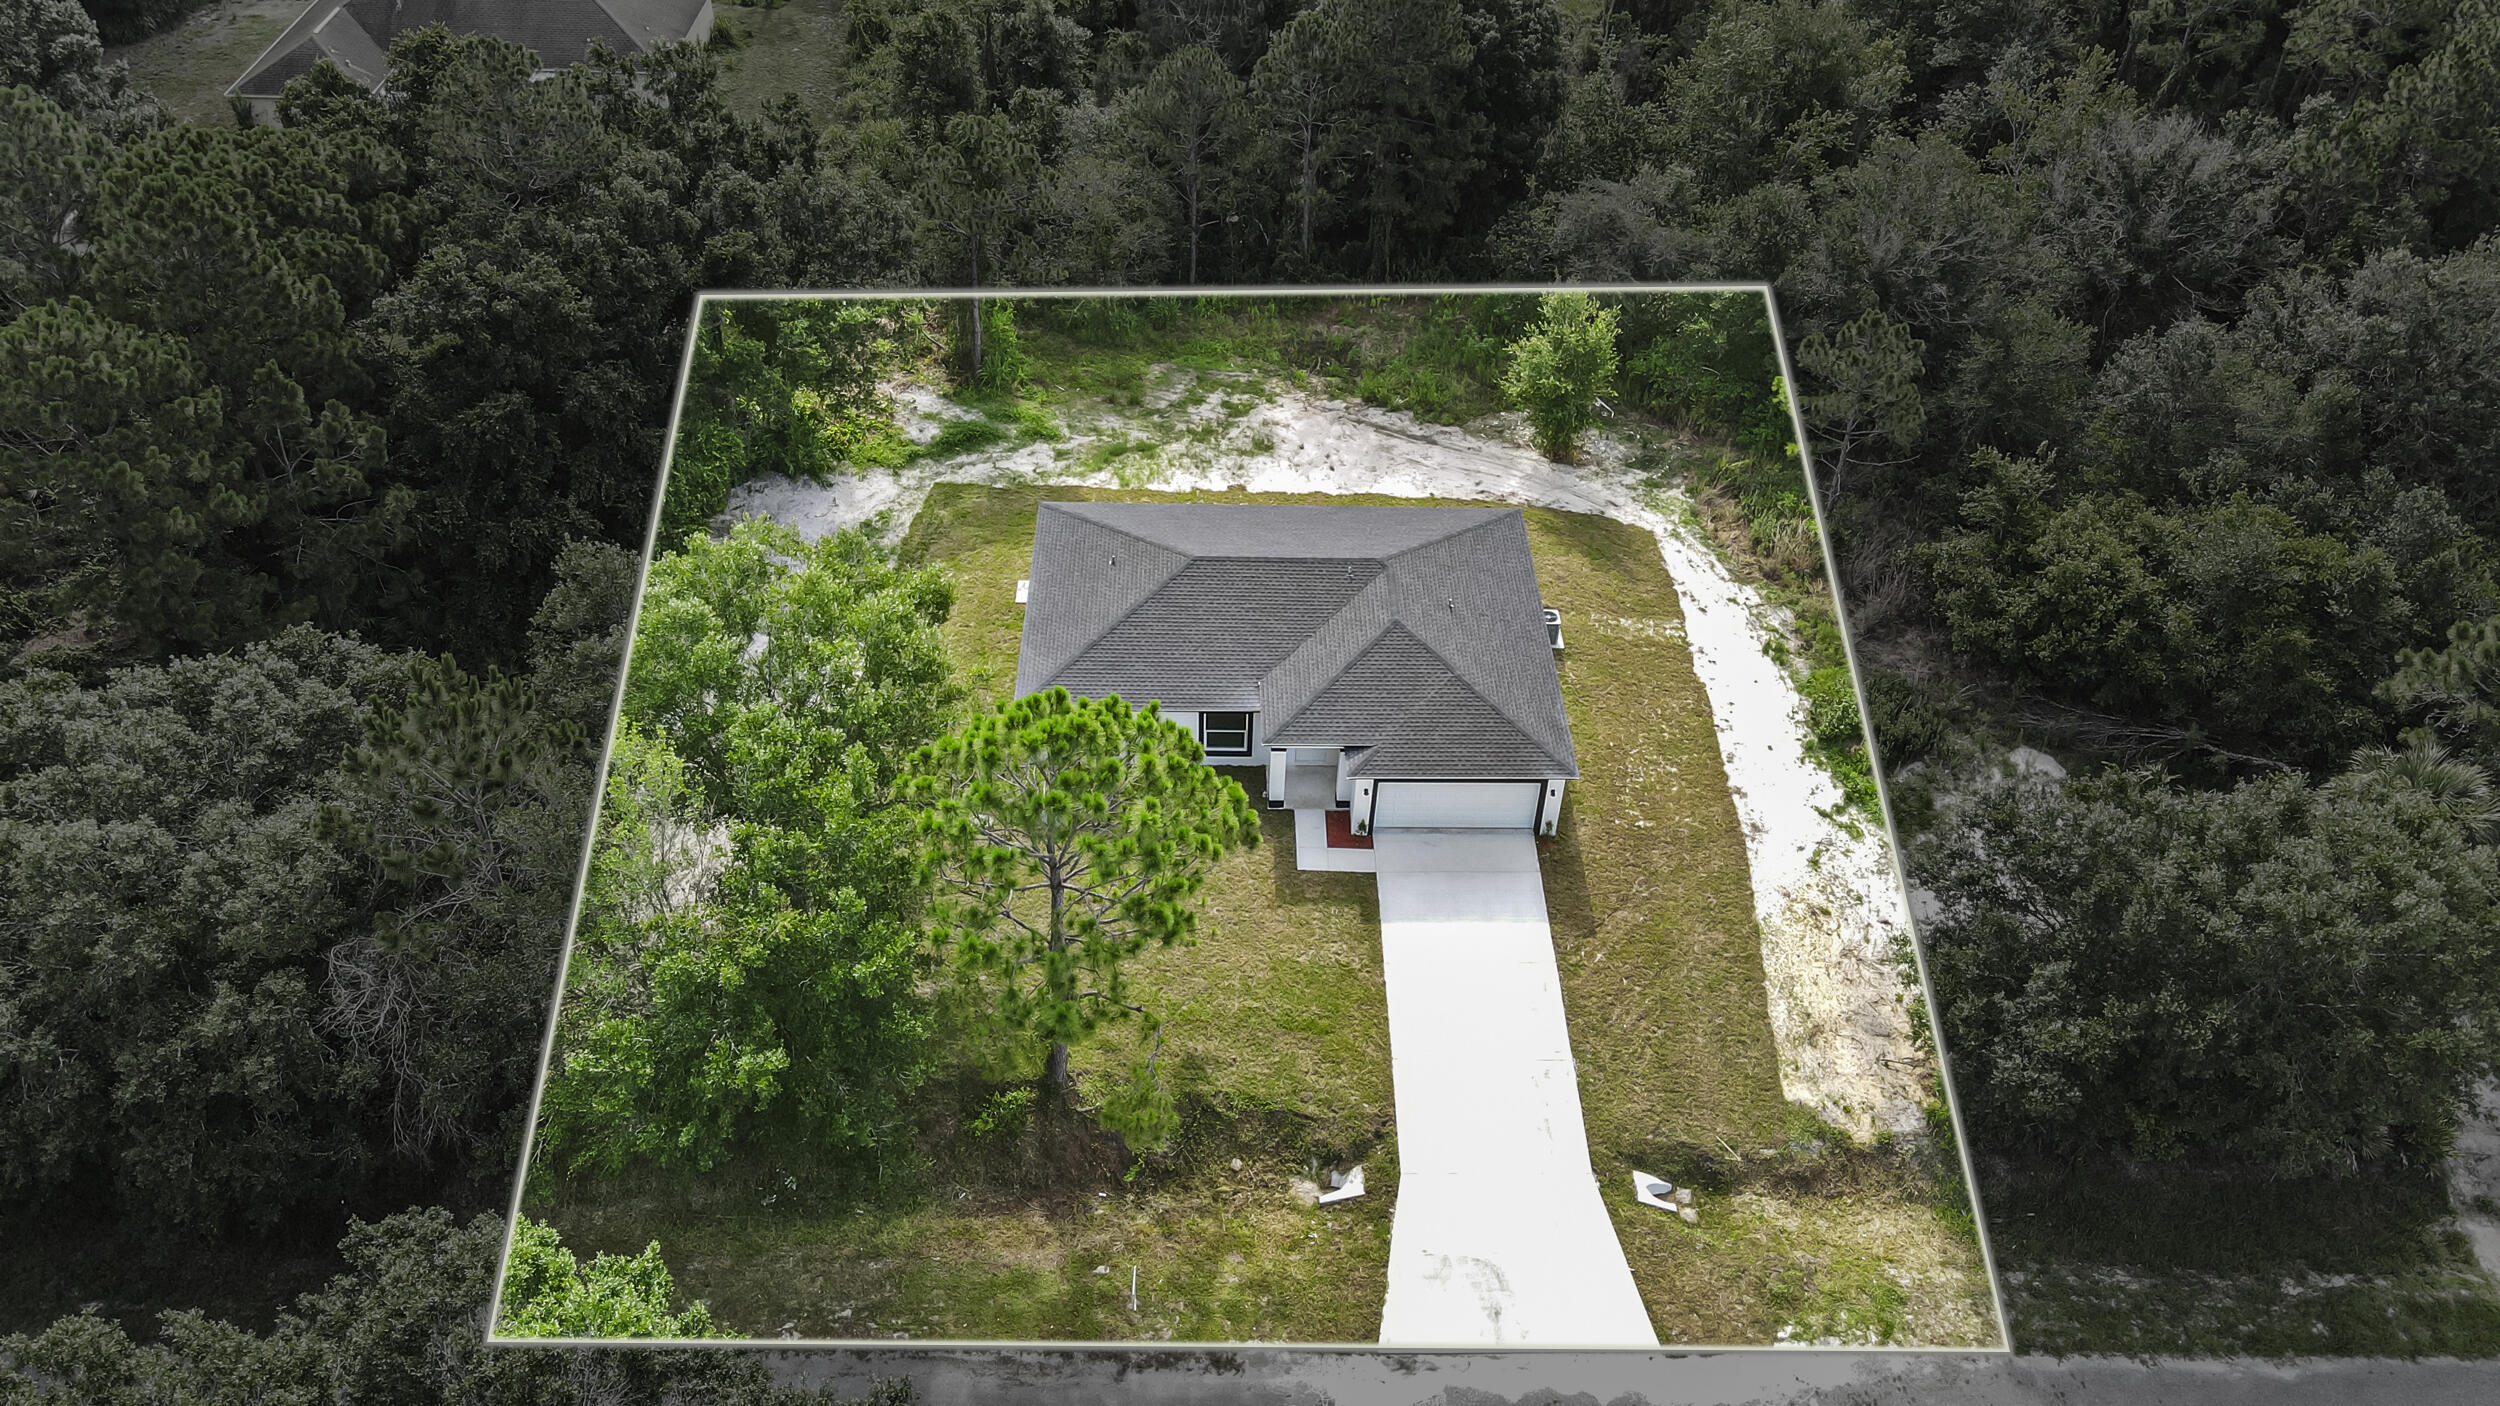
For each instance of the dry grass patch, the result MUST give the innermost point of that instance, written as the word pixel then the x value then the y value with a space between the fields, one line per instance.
pixel 795 48
pixel 1221 1255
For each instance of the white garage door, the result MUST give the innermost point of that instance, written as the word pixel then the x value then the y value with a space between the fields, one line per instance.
pixel 1453 805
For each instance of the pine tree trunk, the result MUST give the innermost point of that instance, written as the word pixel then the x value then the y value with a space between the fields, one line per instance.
pixel 1055 1074
pixel 976 305
pixel 1310 189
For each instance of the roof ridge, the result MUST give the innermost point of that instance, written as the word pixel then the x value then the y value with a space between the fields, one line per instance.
pixel 1361 653
pixel 1392 752
pixel 1452 679
pixel 1382 584
pixel 1498 510
pixel 1535 729
pixel 1090 520
pixel 1134 606
pixel 1459 680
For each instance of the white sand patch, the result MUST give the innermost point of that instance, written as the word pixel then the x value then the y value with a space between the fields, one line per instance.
pixel 2474 1175
pixel 1829 903
pixel 921 412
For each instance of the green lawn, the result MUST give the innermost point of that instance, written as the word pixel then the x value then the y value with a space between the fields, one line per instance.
pixel 188 66
pixel 793 48
pixel 1278 1045
pixel 1660 958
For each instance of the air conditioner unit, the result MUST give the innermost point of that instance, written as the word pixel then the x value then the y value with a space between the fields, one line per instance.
pixel 1553 627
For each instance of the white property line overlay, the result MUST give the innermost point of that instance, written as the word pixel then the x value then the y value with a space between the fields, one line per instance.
pixel 668 453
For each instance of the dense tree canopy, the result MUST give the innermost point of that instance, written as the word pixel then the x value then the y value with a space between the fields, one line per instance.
pixel 2298 976
pixel 747 965
pixel 2144 349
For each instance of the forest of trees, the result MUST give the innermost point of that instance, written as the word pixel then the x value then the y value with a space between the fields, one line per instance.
pixel 2146 349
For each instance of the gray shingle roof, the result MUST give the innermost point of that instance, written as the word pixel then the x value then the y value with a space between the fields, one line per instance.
pixel 1414 632
pixel 356 34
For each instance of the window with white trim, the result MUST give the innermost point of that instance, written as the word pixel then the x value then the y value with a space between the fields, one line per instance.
pixel 1224 734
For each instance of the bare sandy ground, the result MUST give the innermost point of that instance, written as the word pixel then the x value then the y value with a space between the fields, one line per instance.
pixel 1829 900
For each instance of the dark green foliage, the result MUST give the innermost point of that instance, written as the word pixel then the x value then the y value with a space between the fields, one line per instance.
pixel 159 509
pixel 1907 722
pixel 2293 976
pixel 52 47
pixel 2456 689
pixel 2228 620
pixel 577 638
pixel 169 894
pixel 190 472
pixel 530 347
pixel 468 802
pixel 1410 141
pixel 282 920
pixel 400 1327
pixel 1189 118
pixel 1777 90
pixel 2401 153
pixel 121 21
pixel 745 969
pixel 1515 84
pixel 49 166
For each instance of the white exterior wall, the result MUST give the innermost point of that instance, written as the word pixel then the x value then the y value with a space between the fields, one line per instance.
pixel 1258 746
pixel 1551 816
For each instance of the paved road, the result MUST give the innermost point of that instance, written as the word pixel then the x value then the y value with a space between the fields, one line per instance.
pixel 1286 1377
pixel 1500 1237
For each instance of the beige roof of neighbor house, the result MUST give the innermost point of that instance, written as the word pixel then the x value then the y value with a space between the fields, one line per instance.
pixel 1417 633
pixel 356 34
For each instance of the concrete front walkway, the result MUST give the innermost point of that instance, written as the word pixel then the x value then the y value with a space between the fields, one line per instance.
pixel 1499 1235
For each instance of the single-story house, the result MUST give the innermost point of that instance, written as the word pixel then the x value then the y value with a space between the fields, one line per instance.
pixel 1394 663
pixel 356 35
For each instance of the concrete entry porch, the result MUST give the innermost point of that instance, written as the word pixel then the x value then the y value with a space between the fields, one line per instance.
pixel 1312 780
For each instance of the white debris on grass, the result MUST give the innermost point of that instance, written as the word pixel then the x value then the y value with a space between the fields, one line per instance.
pixel 1651 1191
pixel 1828 899
pixel 1347 1187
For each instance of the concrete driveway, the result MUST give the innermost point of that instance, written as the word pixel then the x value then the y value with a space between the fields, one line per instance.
pixel 1499 1235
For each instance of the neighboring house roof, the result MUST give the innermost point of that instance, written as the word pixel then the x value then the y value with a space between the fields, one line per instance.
pixel 1416 633
pixel 356 34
